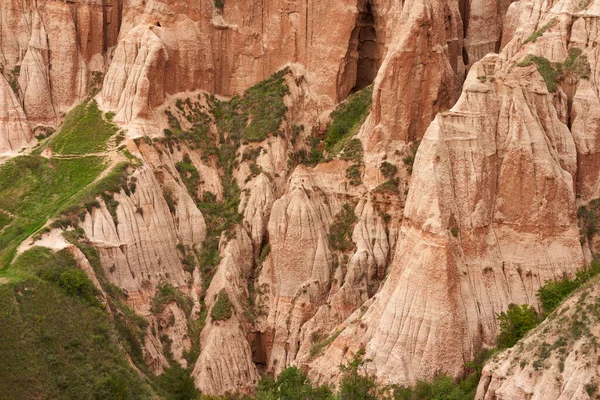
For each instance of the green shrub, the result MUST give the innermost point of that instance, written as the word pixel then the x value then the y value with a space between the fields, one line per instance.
pixel 340 231
pixel 291 384
pixel 356 383
pixel 347 118
pixel 388 187
pixel 222 309
pixel 353 151
pixel 409 159
pixel 177 383
pixel 189 175
pixel 552 293
pixel 589 219
pixel 388 170
pixel 353 174
pixel 166 294
pixel 515 323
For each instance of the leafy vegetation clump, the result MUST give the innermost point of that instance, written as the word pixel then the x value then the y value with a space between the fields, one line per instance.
pixel 554 292
pixel 84 131
pixel 537 34
pixel 409 159
pixel 222 309
pixel 291 384
pixel 353 174
pixel 353 151
pixel 575 64
pixel 388 187
pixel 515 323
pixel 388 170
pixel 340 232
pixel 166 294
pixel 347 119
pixel 258 113
pixel 189 175
pixel 55 341
pixel 176 383
pixel 547 70
pixel 589 220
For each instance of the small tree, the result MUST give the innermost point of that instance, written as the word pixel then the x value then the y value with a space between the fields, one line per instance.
pixel 356 384
pixel 291 384
pixel 515 323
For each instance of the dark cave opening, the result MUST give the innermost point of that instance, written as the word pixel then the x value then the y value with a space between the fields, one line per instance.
pixel 259 354
pixel 368 52
pixel 363 57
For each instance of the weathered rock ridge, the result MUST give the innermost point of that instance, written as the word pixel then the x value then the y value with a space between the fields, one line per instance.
pixel 480 217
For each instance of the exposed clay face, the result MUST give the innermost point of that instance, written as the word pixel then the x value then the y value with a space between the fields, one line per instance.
pixel 454 195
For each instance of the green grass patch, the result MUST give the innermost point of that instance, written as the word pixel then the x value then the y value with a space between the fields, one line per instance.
pixel 575 63
pixel 537 34
pixel 83 131
pixel 5 219
pixel 340 232
pixel 166 294
pixel 222 309
pixel 189 175
pixel 347 119
pixel 35 189
pixel 553 293
pixel 54 343
pixel 256 114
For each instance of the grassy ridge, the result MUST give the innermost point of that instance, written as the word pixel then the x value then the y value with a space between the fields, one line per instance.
pixel 56 342
pixel 84 131
pixel 35 189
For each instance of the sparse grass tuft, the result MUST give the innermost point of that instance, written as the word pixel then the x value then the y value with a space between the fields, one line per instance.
pixel 537 34
pixel 318 347
pixel 222 309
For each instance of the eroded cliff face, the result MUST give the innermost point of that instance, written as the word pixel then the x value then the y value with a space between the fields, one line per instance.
pixel 291 258
pixel 491 212
pixel 556 360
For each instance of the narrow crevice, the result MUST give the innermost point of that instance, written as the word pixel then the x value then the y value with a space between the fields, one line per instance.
pixel 368 53
pixel 363 57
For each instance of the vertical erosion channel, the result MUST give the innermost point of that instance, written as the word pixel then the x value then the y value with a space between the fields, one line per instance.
pixel 363 57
